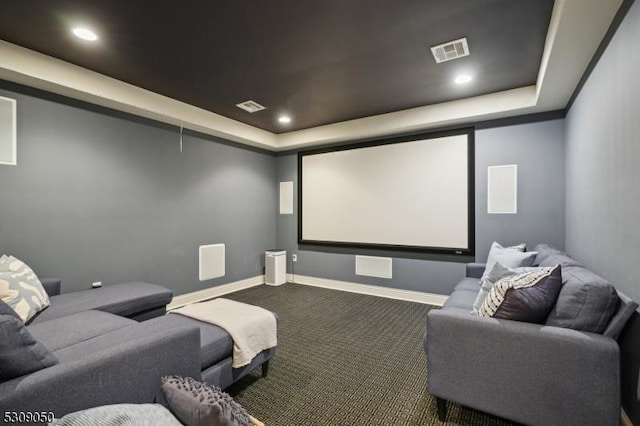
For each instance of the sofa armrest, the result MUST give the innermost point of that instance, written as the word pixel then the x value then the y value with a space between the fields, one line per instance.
pixel 129 372
pixel 475 270
pixel 51 286
pixel 530 373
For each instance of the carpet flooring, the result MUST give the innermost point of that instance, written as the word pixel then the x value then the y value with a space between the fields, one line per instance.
pixel 344 359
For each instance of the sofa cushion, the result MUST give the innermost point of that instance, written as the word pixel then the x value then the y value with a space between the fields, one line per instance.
pixel 138 332
pixel 125 299
pixel 65 331
pixel 550 256
pixel 626 308
pixel 20 288
pixel 215 342
pixel 525 307
pixel 20 353
pixel 461 299
pixel 509 257
pixel 471 284
pixel 532 304
pixel 198 404
pixel 586 301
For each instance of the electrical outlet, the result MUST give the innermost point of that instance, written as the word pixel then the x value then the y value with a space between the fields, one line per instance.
pixel 294 257
pixel 97 284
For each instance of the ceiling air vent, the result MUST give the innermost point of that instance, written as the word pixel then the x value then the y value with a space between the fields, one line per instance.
pixel 250 106
pixel 451 50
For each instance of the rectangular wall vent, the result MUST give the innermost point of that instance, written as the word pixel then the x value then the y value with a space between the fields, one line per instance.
pixel 451 50
pixel 250 106
pixel 211 261
pixel 371 266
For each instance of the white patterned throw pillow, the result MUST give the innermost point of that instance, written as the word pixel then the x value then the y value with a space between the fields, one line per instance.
pixel 21 289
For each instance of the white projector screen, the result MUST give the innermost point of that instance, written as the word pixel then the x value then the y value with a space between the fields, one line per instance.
pixel 409 194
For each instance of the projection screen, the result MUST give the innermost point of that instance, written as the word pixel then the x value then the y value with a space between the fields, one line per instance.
pixel 412 193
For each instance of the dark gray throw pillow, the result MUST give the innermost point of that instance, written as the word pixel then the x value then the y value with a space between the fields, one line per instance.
pixel 20 353
pixel 532 304
pixel 586 302
pixel 198 404
pixel 8 310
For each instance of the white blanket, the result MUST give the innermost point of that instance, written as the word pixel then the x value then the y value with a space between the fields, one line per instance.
pixel 253 329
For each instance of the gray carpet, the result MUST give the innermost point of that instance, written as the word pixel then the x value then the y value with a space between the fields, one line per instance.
pixel 344 359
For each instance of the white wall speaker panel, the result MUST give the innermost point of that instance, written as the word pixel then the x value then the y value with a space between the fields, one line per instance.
pixel 286 197
pixel 371 266
pixel 502 189
pixel 8 132
pixel 211 261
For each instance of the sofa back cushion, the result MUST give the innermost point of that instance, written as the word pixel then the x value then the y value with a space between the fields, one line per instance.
pixel 550 256
pixel 586 301
pixel 20 353
pixel 626 308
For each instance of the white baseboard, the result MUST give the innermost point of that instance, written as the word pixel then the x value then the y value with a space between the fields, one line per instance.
pixel 372 290
pixel 211 292
pixel 624 419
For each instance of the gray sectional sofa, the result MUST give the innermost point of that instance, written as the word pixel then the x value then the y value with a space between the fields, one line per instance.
pixel 536 374
pixel 105 356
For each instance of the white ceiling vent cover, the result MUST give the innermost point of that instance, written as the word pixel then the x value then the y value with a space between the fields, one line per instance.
pixel 250 106
pixel 451 50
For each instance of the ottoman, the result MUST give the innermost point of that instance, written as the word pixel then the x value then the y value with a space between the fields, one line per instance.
pixel 216 349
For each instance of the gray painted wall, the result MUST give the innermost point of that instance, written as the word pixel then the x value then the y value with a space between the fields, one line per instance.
pixel 100 198
pixel 603 163
pixel 537 148
pixel 603 184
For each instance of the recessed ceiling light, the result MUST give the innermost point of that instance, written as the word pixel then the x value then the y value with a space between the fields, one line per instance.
pixel 463 78
pixel 84 33
pixel 284 119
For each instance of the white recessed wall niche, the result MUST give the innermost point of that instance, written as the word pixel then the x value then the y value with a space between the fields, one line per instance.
pixel 502 189
pixel 286 197
pixel 8 132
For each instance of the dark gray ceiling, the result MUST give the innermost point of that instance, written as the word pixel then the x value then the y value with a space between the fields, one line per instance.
pixel 320 61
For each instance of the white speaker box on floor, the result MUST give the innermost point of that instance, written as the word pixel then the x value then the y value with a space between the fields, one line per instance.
pixel 275 267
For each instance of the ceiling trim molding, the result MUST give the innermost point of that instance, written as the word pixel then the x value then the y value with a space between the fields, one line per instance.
pixel 511 120
pixel 478 108
pixel 577 32
pixel 30 68
pixel 617 20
